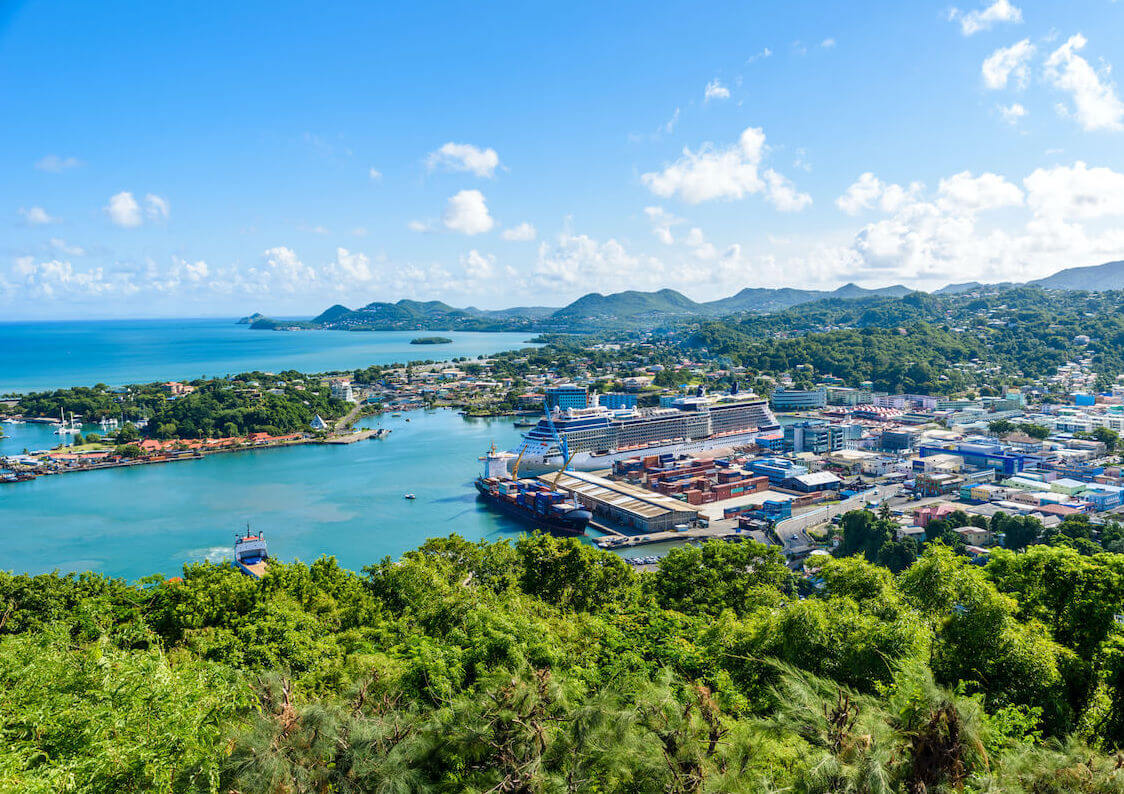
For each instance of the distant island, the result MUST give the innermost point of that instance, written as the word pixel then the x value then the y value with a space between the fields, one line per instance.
pixel 431 340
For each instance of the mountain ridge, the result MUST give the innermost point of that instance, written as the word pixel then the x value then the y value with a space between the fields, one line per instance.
pixel 636 308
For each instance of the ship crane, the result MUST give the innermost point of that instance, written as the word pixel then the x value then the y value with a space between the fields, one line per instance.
pixel 566 456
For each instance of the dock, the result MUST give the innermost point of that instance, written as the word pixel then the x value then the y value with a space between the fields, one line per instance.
pixel 622 541
pixel 362 435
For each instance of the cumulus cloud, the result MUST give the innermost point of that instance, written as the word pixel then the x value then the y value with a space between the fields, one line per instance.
pixel 715 90
pixel 729 172
pixel 1013 113
pixel 55 164
pixel 522 233
pixel 827 44
pixel 124 211
pixel 972 22
pixel 1095 103
pixel 782 194
pixel 352 267
pixel 1075 192
pixel 283 271
pixel 467 213
pixel 868 192
pixel 464 157
pixel 36 216
pixel 374 174
pixel 966 193
pixel 1008 64
pixel 1071 215
pixel 478 266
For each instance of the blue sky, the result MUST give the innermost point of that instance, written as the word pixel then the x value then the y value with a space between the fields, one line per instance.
pixel 165 159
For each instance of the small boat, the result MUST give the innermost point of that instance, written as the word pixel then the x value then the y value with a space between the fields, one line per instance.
pixel 250 554
pixel 409 496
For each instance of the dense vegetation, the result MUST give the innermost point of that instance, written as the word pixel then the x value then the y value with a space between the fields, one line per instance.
pixel 932 344
pixel 248 403
pixel 546 665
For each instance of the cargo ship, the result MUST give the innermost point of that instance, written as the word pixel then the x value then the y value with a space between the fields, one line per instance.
pixel 595 437
pixel 529 500
pixel 250 554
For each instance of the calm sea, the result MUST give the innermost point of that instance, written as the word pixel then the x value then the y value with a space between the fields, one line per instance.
pixel 312 500
pixel 37 356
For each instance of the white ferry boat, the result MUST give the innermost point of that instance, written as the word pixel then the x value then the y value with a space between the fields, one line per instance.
pixel 595 437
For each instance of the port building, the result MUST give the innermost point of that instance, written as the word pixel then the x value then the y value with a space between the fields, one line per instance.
pixel 622 504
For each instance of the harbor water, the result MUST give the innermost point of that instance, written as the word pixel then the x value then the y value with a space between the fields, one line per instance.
pixel 312 500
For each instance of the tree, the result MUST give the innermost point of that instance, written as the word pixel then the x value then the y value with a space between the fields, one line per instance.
pixel 1110 438
pixel 1000 427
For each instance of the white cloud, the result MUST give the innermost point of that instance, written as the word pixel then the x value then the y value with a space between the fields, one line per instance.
pixel 351 267
pixel 1075 192
pixel 283 271
pixel 420 226
pixel 522 233
pixel 759 56
pixel 827 44
pixel 1095 103
pixel 715 90
pixel 374 174
pixel 662 221
pixel 966 193
pixel 465 157
pixel 36 216
pixel 972 22
pixel 467 213
pixel 1012 113
pixel 1008 64
pixel 57 278
pixel 156 207
pixel 861 195
pixel 783 195
pixel 725 173
pixel 70 250
pixel 123 210
pixel 54 164
pixel 477 266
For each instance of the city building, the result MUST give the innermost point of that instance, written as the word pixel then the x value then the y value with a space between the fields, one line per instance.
pixel 566 396
pixel 616 400
pixel 798 399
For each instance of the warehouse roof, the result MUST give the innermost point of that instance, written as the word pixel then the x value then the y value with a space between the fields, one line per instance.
pixel 620 495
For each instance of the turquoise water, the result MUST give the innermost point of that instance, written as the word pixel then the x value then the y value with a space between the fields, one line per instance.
pixel 311 500
pixel 52 355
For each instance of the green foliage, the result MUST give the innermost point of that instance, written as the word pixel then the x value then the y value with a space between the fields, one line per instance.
pixel 546 665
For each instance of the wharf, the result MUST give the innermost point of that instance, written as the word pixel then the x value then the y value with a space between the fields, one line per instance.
pixel 620 541
pixel 362 435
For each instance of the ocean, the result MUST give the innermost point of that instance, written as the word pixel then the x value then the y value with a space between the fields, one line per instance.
pixel 346 501
pixel 50 355
pixel 310 501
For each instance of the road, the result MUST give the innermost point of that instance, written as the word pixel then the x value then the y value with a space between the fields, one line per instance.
pixel 793 532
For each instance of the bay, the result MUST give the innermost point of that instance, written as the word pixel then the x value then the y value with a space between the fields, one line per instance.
pixel 51 355
pixel 346 501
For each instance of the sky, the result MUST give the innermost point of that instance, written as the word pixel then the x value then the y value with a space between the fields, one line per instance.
pixel 188 159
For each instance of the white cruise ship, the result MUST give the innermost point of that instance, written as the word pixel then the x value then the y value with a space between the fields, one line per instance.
pixel 597 436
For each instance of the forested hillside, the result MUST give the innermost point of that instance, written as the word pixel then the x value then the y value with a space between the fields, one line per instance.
pixel 545 665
